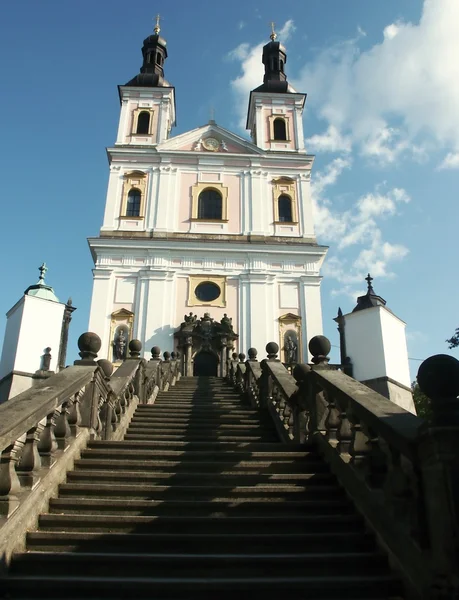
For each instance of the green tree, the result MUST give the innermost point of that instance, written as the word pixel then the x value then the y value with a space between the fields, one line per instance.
pixel 453 342
pixel 421 401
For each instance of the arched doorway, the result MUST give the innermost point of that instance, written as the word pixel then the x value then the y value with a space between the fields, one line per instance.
pixel 205 364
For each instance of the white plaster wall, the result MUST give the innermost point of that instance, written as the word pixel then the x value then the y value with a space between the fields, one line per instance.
pixel 41 327
pixel 311 311
pixel 10 340
pixel 364 343
pixel 395 348
pixel 102 302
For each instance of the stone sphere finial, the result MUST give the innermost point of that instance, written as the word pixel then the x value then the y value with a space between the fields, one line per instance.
pixel 135 346
pixel 234 356
pixel 272 350
pixel 241 357
pixel 106 366
pixel 438 378
pixel 252 352
pixel 89 344
pixel 167 356
pixel 156 353
pixel 173 356
pixel 319 347
pixel 300 372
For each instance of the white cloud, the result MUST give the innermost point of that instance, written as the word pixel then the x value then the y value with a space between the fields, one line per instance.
pixel 330 141
pixel 241 25
pixel 286 30
pixel 356 232
pixel 408 79
pixel 451 161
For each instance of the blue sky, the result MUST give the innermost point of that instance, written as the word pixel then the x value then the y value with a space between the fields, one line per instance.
pixel 382 117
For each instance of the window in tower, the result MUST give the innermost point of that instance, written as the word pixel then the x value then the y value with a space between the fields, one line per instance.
pixel 210 205
pixel 284 203
pixel 280 130
pixel 133 203
pixel 143 123
pixel 158 59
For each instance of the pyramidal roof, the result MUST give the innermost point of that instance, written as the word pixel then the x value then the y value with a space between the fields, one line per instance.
pixel 40 289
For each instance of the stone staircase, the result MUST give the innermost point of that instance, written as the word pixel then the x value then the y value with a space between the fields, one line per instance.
pixel 200 500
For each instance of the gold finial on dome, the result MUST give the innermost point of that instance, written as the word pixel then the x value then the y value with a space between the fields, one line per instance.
pixel 273 35
pixel 157 27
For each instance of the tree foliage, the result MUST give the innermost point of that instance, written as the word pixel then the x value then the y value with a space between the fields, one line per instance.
pixel 421 401
pixel 453 342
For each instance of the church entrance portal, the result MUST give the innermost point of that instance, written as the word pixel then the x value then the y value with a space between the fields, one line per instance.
pixel 205 364
pixel 210 342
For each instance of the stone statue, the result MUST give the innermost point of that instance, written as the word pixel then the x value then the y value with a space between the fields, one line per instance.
pixel 223 146
pixel 191 318
pixel 198 145
pixel 119 350
pixel 227 323
pixel 291 350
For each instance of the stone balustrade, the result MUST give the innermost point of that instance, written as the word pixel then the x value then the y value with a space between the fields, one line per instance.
pixel 44 429
pixel 400 471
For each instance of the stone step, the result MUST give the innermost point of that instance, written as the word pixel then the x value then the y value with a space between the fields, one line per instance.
pixel 208 467
pixel 188 565
pixel 198 492
pixel 205 588
pixel 259 543
pixel 197 452
pixel 203 437
pixel 199 425
pixel 172 478
pixel 217 507
pixel 212 525
pixel 153 409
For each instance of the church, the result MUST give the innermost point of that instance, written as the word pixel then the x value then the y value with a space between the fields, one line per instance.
pixel 207 227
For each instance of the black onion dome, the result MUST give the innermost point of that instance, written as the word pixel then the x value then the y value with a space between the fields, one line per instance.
pixel 154 54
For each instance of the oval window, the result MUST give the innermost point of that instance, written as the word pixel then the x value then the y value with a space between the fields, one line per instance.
pixel 207 291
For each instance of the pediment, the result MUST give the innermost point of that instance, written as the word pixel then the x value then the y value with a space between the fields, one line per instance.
pixel 289 318
pixel 210 139
pixel 122 313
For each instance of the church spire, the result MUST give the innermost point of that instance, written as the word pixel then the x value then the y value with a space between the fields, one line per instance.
pixel 274 59
pixel 154 54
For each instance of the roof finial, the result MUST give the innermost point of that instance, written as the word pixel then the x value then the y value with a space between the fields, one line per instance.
pixel 273 35
pixel 369 279
pixel 42 270
pixel 212 115
pixel 157 27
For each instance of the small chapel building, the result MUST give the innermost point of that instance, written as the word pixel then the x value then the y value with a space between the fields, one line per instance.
pixel 208 222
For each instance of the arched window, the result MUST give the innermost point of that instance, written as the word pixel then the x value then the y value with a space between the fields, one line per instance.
pixel 280 131
pixel 133 203
pixel 143 122
pixel 210 205
pixel 285 208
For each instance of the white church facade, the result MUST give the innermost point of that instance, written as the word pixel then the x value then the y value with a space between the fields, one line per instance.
pixel 207 221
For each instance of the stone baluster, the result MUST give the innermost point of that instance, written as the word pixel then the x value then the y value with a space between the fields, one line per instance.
pixel 62 428
pixel 304 413
pixel 266 384
pixel 319 347
pixel 47 444
pixel 10 485
pixel 359 448
pixel 74 416
pixel 438 451
pixel 30 461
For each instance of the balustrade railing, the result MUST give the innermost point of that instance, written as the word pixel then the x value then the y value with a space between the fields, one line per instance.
pixel 44 429
pixel 400 471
